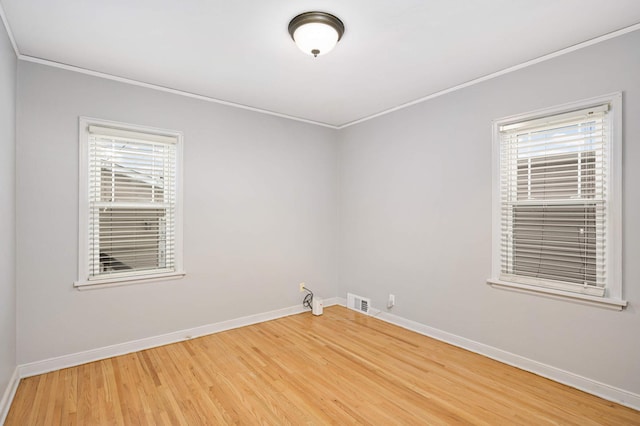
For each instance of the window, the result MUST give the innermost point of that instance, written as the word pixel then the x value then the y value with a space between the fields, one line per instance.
pixel 129 203
pixel 558 186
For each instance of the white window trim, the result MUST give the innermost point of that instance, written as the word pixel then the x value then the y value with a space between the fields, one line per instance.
pixel 585 299
pixel 613 297
pixel 83 282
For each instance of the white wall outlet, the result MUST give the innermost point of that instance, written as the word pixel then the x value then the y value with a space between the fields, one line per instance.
pixel 301 287
pixel 391 302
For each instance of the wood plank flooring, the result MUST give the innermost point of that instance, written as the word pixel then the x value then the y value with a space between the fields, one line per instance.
pixel 340 368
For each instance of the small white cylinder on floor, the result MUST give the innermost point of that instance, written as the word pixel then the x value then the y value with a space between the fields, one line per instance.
pixel 317 306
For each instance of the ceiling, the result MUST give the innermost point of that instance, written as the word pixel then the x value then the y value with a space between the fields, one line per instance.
pixel 393 51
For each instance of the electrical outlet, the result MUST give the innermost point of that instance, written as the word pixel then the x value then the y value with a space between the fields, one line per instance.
pixel 301 287
pixel 391 302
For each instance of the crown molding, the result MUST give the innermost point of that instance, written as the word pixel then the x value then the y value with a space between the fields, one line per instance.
pixel 534 61
pixel 12 39
pixel 469 83
pixel 112 77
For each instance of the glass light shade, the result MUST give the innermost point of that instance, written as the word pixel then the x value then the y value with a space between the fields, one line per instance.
pixel 316 38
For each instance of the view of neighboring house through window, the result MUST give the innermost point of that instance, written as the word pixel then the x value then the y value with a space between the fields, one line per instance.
pixel 131 208
pixel 558 223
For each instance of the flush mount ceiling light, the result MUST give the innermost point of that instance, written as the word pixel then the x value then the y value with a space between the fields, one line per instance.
pixel 316 33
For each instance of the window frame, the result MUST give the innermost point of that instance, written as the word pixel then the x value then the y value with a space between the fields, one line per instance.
pixel 612 297
pixel 84 281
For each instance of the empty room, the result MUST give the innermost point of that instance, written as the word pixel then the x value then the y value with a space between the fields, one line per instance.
pixel 314 212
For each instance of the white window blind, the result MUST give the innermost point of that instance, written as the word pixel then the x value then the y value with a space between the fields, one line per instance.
pixel 554 174
pixel 132 198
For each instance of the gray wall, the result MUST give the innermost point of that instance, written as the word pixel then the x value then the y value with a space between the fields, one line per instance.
pixel 260 196
pixel 415 213
pixel 7 210
pixel 406 199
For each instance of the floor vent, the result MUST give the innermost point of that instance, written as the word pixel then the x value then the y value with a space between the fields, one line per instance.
pixel 358 303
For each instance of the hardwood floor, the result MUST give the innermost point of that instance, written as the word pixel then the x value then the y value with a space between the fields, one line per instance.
pixel 340 368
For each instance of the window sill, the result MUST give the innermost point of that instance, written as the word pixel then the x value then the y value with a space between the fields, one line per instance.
pixel 602 302
pixel 117 282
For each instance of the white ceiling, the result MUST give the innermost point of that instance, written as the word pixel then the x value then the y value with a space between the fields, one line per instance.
pixel 393 51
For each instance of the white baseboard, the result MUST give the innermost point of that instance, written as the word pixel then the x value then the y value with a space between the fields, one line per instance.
pixel 9 393
pixel 334 301
pixel 593 387
pixel 65 361
pixel 610 393
pixel 602 390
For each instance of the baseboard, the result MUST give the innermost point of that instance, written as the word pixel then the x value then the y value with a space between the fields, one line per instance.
pixel 602 390
pixel 9 393
pixel 71 360
pixel 593 387
pixel 342 301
